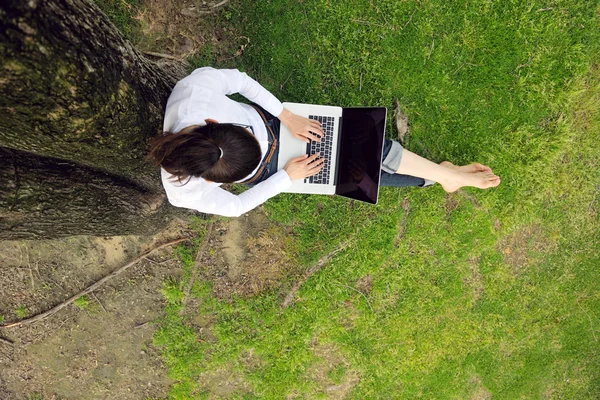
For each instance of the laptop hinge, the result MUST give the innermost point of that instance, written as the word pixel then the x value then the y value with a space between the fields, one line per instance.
pixel 338 144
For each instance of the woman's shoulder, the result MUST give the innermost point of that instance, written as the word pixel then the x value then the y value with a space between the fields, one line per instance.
pixel 188 184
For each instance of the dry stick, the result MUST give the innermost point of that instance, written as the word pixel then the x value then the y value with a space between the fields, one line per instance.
pixel 142 325
pixel 159 263
pixel 357 291
pixel 57 285
pixel 290 296
pixel 410 19
pixel 161 55
pixel 213 7
pixel 430 50
pixel 195 271
pixel 591 324
pixel 219 4
pixel 98 301
pixel 90 288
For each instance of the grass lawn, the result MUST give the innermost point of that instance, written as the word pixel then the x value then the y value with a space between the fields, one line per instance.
pixel 474 295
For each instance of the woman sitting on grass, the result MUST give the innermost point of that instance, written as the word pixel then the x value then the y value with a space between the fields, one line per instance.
pixel 210 140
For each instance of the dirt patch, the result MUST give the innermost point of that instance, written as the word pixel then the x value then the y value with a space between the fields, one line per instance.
pixel 250 360
pixel 246 256
pixel 474 280
pixel 450 203
pixel 99 349
pixel 478 391
pixel 223 383
pixel 365 284
pixel 525 247
pixel 182 28
pixel 497 224
pixel 331 372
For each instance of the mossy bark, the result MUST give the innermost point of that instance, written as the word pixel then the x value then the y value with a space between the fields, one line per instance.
pixel 75 95
pixel 52 197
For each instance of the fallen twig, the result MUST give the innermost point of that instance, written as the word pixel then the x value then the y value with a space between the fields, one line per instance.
pixel 430 50
pixel 290 296
pixel 402 222
pixel 239 51
pixel 192 11
pixel 98 301
pixel 159 262
pixel 161 55
pixel 410 19
pixel 142 325
pixel 357 291
pixel 188 289
pixel 90 288
pixel 591 324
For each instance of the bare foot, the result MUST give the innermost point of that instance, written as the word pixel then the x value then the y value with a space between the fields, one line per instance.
pixel 480 179
pixel 475 167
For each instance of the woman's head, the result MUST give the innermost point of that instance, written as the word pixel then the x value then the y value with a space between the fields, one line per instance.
pixel 196 152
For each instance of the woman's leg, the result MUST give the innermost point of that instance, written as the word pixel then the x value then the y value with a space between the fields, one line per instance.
pixel 450 176
pixel 400 180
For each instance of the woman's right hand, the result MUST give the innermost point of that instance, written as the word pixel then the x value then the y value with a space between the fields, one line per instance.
pixel 303 166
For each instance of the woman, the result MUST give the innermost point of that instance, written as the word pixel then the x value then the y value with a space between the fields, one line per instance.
pixel 211 139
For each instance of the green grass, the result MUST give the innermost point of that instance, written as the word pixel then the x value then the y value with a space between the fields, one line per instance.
pixel 122 13
pixel 487 292
pixel 82 303
pixel 21 311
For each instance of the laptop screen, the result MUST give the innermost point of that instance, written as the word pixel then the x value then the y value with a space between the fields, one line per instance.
pixel 359 155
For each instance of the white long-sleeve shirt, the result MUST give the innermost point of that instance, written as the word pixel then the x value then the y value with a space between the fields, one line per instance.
pixel 203 95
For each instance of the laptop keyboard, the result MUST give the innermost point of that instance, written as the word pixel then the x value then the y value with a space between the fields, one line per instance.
pixel 324 147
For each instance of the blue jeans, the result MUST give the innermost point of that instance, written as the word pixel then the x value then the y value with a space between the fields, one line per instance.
pixel 396 180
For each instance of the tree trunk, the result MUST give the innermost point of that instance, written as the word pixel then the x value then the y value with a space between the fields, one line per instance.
pixel 55 197
pixel 78 107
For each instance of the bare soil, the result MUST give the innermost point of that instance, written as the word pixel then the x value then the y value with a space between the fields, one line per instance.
pixel 524 248
pixel 474 280
pixel 99 349
pixel 322 372
pixel 184 28
pixel 246 256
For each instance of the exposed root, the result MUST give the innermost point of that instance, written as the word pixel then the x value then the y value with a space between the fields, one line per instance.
pixel 90 288
pixel 290 296
pixel 195 271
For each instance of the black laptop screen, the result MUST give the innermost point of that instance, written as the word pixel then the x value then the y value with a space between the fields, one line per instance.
pixel 361 145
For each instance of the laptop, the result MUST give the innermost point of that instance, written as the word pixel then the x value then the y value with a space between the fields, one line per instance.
pixel 352 148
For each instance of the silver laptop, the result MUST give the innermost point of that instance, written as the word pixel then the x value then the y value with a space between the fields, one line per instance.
pixel 352 148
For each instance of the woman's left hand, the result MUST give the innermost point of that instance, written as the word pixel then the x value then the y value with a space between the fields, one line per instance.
pixel 301 128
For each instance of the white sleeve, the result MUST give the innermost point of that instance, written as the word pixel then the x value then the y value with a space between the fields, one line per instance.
pixel 220 202
pixel 230 81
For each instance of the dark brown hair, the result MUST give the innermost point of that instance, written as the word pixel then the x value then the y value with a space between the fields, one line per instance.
pixel 195 152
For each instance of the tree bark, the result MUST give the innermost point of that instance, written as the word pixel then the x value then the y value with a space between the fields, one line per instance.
pixel 54 198
pixel 78 107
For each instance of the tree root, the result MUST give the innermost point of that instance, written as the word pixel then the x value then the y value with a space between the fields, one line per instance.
pixel 195 271
pixel 322 261
pixel 193 11
pixel 90 288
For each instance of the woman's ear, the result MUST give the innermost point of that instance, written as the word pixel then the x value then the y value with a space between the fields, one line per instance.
pixel 211 121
